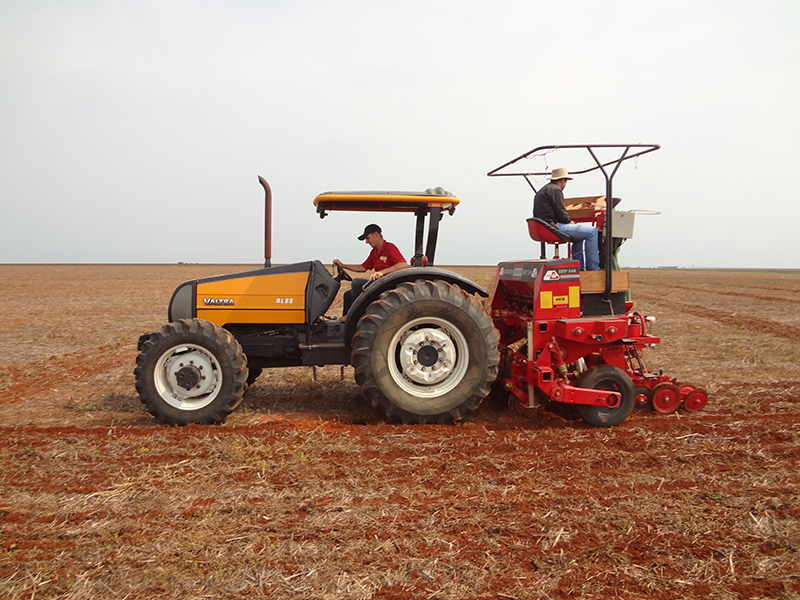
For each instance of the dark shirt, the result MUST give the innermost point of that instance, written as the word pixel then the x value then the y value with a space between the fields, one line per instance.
pixel 548 205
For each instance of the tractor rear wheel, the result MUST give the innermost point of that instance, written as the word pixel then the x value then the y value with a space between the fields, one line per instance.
pixel 425 352
pixel 606 377
pixel 191 371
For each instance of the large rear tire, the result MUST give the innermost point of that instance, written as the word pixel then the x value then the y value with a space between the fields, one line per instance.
pixel 606 377
pixel 425 352
pixel 191 371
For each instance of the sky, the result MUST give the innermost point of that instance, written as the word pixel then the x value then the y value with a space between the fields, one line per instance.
pixel 135 131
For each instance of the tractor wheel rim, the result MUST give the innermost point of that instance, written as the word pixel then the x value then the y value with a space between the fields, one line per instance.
pixel 428 357
pixel 187 377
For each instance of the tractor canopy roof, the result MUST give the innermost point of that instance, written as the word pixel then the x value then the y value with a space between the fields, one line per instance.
pixel 434 202
pixel 373 201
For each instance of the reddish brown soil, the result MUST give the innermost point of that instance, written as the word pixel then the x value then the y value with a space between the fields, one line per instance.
pixel 306 493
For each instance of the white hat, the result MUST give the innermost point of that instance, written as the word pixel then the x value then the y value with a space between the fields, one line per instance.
pixel 559 173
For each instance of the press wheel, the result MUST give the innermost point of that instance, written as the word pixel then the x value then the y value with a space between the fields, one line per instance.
pixel 666 398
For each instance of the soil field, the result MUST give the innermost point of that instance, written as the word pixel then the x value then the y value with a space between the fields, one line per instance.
pixel 306 493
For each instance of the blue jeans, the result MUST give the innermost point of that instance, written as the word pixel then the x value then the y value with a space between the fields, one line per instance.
pixel 584 248
pixel 354 292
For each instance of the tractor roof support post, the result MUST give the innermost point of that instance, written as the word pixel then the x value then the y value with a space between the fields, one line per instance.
pixel 433 233
pixel 418 237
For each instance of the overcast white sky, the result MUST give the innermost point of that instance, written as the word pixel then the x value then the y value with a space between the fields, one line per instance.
pixel 135 131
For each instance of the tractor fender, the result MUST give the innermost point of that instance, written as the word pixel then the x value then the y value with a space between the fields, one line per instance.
pixel 392 280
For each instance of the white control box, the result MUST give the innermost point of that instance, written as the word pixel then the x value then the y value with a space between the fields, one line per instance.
pixel 622 224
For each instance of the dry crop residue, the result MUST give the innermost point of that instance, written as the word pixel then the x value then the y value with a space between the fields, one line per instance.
pixel 305 493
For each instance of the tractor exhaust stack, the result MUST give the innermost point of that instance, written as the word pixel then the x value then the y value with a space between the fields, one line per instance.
pixel 267 222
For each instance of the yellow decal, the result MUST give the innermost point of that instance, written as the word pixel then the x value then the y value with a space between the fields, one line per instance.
pixel 546 300
pixel 574 296
pixel 560 300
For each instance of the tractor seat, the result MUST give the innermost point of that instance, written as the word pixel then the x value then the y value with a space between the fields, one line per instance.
pixel 544 232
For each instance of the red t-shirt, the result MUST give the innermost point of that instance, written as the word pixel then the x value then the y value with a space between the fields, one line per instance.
pixel 388 256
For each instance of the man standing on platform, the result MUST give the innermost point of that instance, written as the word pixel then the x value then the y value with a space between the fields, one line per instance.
pixel 548 205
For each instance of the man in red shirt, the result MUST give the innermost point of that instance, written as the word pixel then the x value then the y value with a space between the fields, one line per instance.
pixel 384 258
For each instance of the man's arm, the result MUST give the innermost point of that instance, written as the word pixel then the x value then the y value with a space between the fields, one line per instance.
pixel 353 268
pixel 395 267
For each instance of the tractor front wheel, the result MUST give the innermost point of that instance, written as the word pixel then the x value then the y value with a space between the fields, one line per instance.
pixel 425 352
pixel 606 377
pixel 191 371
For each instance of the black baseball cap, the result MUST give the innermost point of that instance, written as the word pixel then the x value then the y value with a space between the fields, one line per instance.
pixel 371 228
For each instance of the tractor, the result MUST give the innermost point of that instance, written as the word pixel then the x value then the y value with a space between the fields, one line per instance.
pixel 424 348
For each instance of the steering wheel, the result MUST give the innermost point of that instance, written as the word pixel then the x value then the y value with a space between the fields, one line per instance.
pixel 341 274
